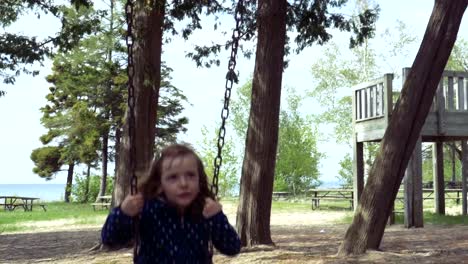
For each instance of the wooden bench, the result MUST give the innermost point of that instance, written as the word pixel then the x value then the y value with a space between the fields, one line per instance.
pixel 102 202
pixel 43 207
pixel 101 205
pixel 11 207
pixel 316 201
pixel 330 195
pixel 278 195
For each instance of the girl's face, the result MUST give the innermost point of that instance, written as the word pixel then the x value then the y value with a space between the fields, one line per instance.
pixel 180 180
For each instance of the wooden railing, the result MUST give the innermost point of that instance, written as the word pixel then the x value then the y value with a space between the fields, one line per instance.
pixel 373 99
pixel 452 93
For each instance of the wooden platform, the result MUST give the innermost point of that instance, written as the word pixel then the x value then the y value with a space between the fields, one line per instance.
pixel 373 104
pixel 447 120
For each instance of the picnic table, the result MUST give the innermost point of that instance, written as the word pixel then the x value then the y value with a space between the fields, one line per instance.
pixel 331 195
pixel 10 203
pixel 428 194
pixel 278 195
pixel 103 202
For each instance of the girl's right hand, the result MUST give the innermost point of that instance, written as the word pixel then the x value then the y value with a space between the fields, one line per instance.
pixel 132 204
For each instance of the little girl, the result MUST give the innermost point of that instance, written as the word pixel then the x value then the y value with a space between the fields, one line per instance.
pixel 178 214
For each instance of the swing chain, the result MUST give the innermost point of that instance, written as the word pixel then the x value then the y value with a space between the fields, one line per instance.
pixel 129 38
pixel 231 78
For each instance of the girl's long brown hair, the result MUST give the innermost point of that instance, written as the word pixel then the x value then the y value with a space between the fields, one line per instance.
pixel 151 189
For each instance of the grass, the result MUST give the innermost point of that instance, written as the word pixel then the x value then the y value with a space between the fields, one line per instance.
pixel 83 214
pixel 72 213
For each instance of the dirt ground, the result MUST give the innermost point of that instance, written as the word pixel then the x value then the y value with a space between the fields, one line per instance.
pixel 309 237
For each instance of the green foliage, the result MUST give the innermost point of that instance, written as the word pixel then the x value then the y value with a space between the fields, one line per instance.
pixel 309 21
pixel 427 166
pixel 79 188
pixel 458 60
pixel 47 161
pixel 170 107
pixel 297 156
pixel 337 73
pixel 297 159
pixel 345 173
pixel 240 109
pixel 228 180
pixel 18 51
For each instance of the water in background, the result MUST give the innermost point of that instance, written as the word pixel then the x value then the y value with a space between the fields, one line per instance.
pixel 330 184
pixel 45 192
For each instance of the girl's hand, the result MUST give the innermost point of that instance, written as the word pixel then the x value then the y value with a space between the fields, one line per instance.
pixel 132 204
pixel 211 208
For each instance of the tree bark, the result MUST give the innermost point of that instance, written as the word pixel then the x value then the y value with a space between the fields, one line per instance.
pixel 68 185
pixel 256 187
pixel 105 159
pixel 88 177
pixel 387 172
pixel 148 31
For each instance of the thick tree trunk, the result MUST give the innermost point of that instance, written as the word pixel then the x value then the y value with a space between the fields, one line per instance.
pixel 68 185
pixel 148 22
pixel 253 215
pixel 387 172
pixel 105 159
pixel 88 177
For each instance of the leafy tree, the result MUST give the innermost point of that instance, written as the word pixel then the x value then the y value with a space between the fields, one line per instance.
pixel 169 122
pixel 336 74
pixel 18 52
pixel 151 18
pixel 297 160
pixel 345 173
pixel 87 188
pixel 47 161
pixel 76 138
pixel 458 60
pixel 92 75
pixel 297 156
pixel 451 164
pixel 367 228
pixel 309 19
pixel 228 176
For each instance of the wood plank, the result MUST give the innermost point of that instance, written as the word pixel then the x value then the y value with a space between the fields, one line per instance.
pixel 358 170
pixel 413 193
pixel 464 176
pixel 461 95
pixel 438 169
pixel 450 99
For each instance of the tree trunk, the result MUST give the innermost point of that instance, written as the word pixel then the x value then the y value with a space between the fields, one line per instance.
pixel 88 177
pixel 454 167
pixel 68 185
pixel 256 187
pixel 105 159
pixel 148 30
pixel 387 172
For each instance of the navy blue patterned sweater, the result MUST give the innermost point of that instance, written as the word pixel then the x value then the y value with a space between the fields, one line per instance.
pixel 166 237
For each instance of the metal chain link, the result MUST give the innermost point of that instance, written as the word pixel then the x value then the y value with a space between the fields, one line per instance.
pixel 129 38
pixel 231 78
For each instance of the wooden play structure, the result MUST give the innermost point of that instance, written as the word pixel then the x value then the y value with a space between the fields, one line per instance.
pixel 447 121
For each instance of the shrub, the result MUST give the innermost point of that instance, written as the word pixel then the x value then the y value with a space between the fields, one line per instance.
pixel 79 188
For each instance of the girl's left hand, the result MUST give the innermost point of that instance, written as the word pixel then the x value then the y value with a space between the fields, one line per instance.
pixel 211 208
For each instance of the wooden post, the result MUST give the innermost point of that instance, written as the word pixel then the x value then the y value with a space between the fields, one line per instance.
pixel 388 99
pixel 358 154
pixel 438 168
pixel 358 171
pixel 413 189
pixel 464 175
pixel 440 108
